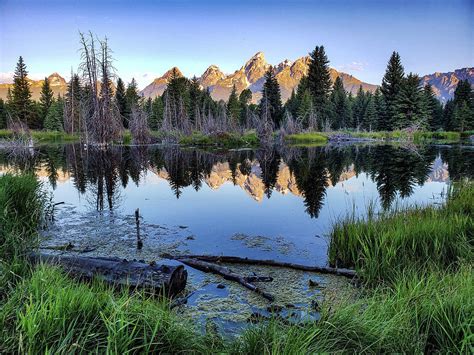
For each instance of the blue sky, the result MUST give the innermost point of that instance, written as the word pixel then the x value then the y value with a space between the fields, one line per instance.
pixel 149 37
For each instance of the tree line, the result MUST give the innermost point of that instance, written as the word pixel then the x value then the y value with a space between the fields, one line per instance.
pixel 99 108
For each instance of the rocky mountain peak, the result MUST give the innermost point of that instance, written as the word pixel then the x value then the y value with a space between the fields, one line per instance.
pixel 211 76
pixel 56 80
pixel 255 67
pixel 169 73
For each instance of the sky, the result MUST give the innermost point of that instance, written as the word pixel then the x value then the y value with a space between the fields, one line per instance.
pixel 150 37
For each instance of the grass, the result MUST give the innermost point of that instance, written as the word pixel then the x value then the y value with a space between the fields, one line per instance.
pixel 380 247
pixel 224 140
pixel 416 266
pixel 307 138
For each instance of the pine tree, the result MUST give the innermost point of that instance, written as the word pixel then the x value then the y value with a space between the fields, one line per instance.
pixel 463 117
pixel 434 110
pixel 358 109
pixel 194 98
pixel 409 106
pixel 121 101
pixel 3 114
pixel 319 81
pixel 233 106
pixel 156 116
pixel 21 104
pixel 74 95
pixel 271 90
pixel 245 98
pixel 448 115
pixel 370 114
pixel 391 86
pixel 46 99
pixel 380 109
pixel 132 97
pixel 53 119
pixel 341 112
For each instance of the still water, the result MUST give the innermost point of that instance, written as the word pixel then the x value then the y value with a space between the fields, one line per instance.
pixel 275 203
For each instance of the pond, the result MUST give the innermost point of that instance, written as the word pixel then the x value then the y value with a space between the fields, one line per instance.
pixel 274 203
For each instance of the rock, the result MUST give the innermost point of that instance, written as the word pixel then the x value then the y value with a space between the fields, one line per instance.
pixel 221 286
pixel 315 305
pixel 313 283
pixel 274 308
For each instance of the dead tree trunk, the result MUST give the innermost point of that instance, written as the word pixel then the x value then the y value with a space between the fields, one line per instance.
pixel 166 279
pixel 226 273
pixel 246 261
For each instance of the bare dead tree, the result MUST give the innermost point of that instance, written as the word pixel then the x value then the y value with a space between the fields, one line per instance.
pixel 104 122
pixel 139 126
pixel 264 124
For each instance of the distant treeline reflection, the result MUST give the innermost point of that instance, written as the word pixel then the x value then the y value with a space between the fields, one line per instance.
pixel 102 172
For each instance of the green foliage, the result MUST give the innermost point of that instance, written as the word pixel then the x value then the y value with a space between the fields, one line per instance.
pixel 434 109
pixel 409 108
pixel 49 312
pixel 307 138
pixel 46 99
pixel 21 104
pixel 426 238
pixel 319 81
pixel 224 140
pixel 132 99
pixel 341 107
pixel 121 101
pixel 3 114
pixel 391 86
pixel 271 94
pixel 54 117
pixel 234 106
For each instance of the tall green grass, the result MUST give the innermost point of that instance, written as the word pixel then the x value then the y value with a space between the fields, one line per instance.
pixel 50 312
pixel 420 313
pixel 307 137
pixel 380 247
pixel 22 207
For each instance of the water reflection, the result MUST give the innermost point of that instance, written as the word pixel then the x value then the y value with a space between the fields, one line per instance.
pixel 306 172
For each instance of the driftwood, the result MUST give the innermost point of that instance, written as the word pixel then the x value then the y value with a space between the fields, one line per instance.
pixel 226 273
pixel 166 279
pixel 238 260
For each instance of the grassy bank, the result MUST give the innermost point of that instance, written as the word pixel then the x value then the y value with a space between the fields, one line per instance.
pixel 224 140
pixel 416 266
pixel 307 138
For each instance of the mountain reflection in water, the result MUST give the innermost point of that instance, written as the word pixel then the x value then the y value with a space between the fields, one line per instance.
pixel 304 172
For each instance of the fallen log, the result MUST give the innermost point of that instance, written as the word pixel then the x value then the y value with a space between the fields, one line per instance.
pixel 166 279
pixel 238 260
pixel 226 273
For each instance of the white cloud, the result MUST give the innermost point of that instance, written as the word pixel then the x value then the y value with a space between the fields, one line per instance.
pixel 353 66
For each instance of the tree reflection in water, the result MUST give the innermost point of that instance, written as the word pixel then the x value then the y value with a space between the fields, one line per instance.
pixel 102 173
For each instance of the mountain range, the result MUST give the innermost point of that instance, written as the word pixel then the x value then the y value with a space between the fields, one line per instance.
pixel 251 76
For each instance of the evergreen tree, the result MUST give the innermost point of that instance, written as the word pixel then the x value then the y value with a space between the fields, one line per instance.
pixel 121 101
pixel 341 111
pixel 53 119
pixel 319 81
pixel 271 91
pixel 409 106
pixel 21 104
pixel 370 114
pixel 194 98
pixel 448 115
pixel 156 116
pixel 391 86
pixel 233 106
pixel 245 98
pixel 434 110
pixel 358 109
pixel 46 98
pixel 380 109
pixel 74 95
pixel 291 104
pixel 463 117
pixel 3 114
pixel 132 97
